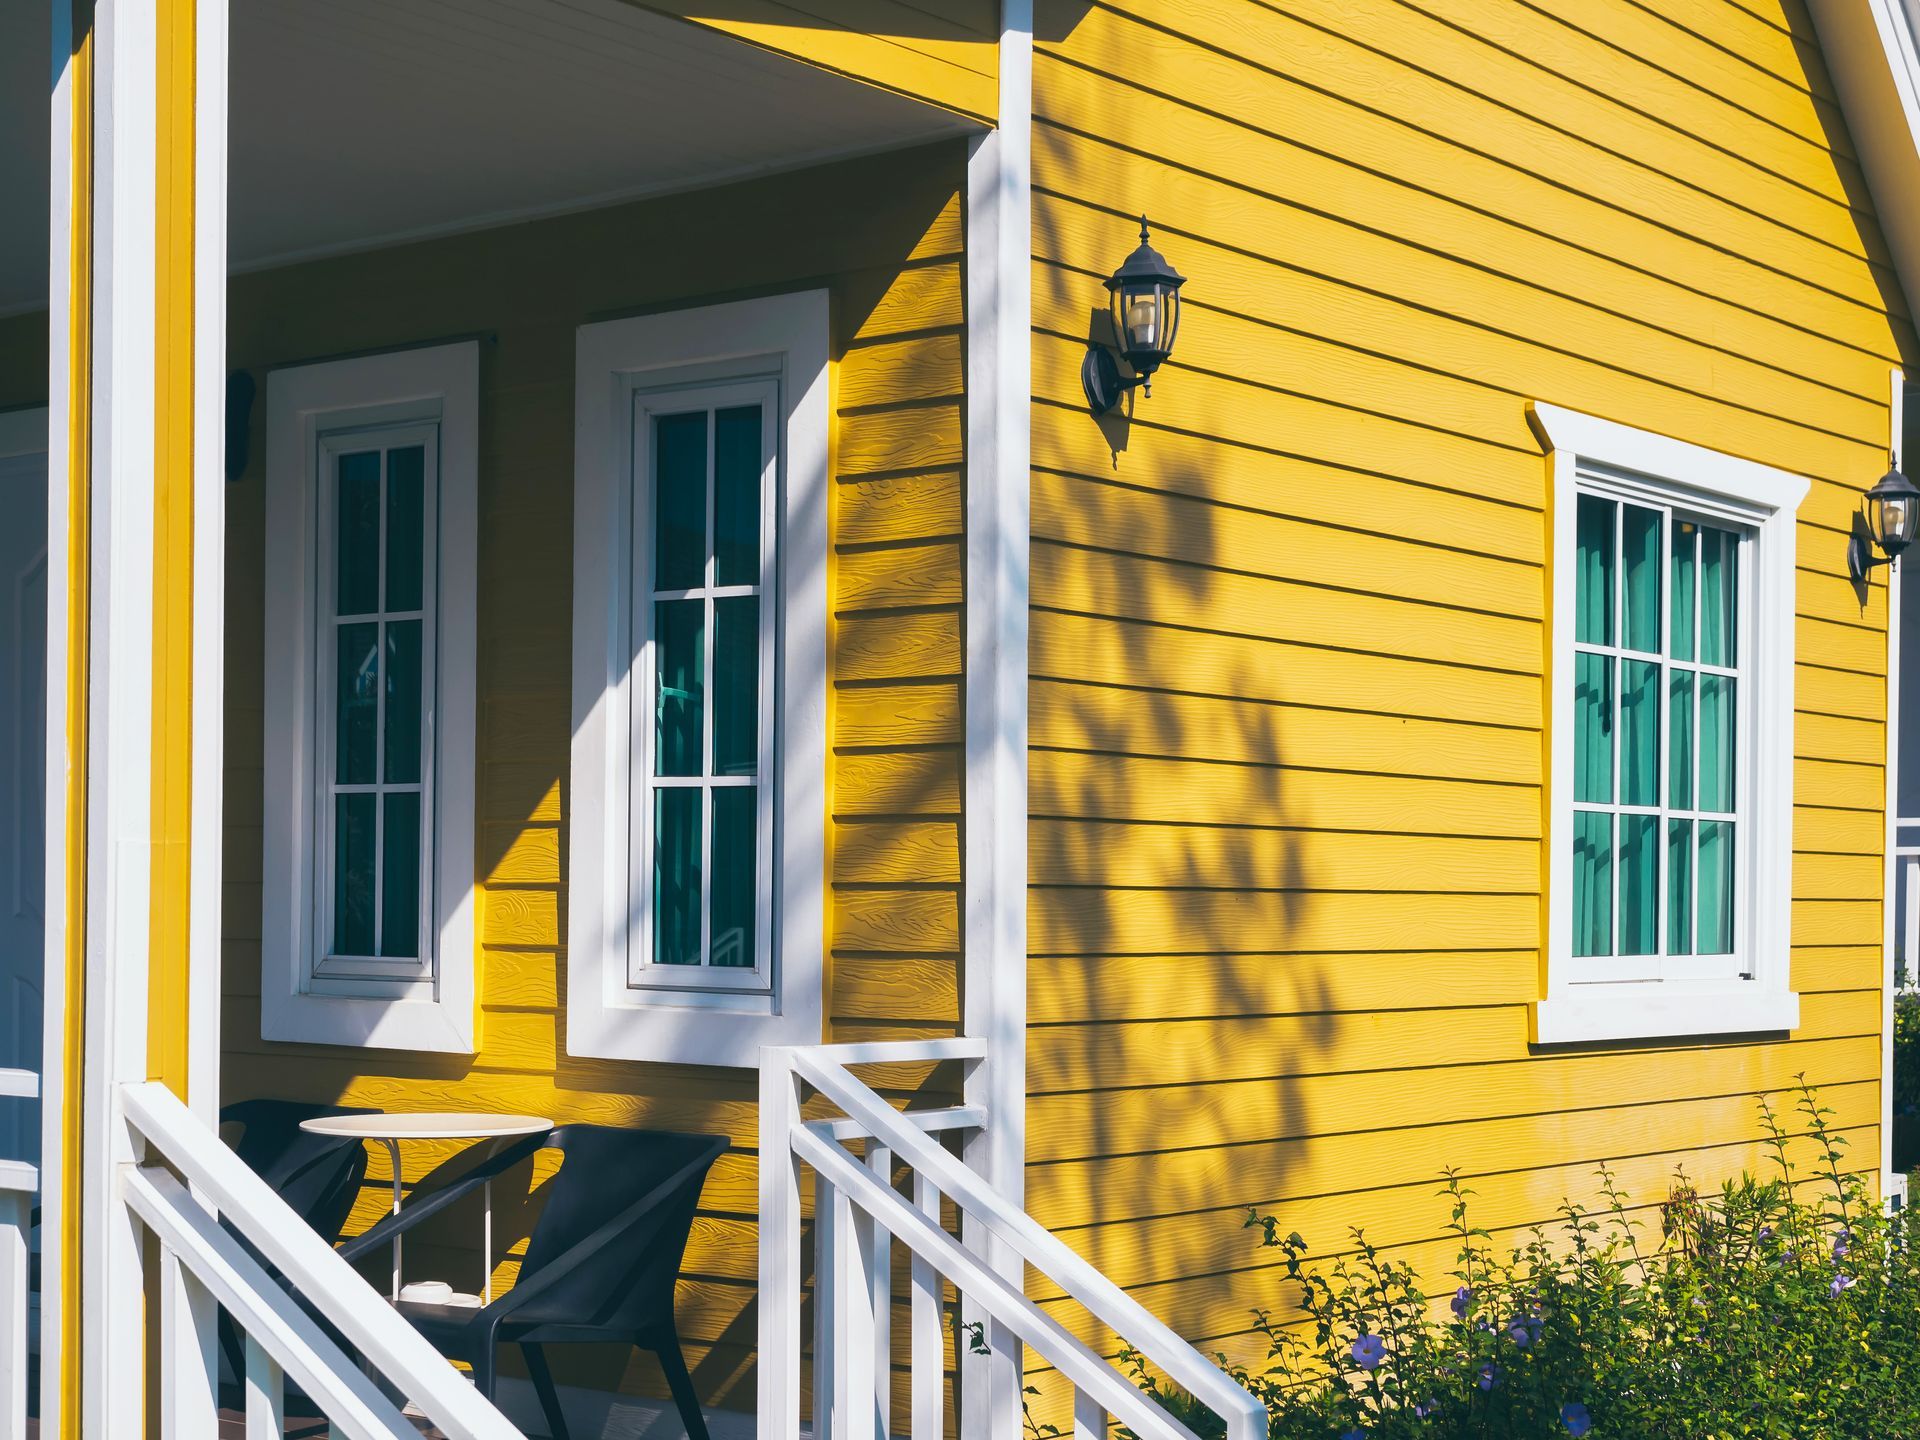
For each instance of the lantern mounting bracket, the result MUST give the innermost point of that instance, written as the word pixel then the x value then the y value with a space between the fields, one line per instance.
pixel 1103 383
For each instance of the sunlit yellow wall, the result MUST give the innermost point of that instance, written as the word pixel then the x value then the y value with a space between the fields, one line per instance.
pixel 884 235
pixel 941 51
pixel 1287 634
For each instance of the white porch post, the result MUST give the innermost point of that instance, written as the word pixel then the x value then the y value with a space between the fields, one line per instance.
pixel 999 391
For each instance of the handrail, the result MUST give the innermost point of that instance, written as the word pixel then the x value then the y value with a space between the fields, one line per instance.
pixel 1245 1417
pixel 971 1274
pixel 312 1268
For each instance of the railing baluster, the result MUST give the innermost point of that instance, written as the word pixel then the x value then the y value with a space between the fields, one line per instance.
pixel 929 1347
pixel 1089 1420
pixel 854 1242
pixel 880 1288
pixel 266 1395
pixel 826 1305
pixel 189 1357
pixel 14 1207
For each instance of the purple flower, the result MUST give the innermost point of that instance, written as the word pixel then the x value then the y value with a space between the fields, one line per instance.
pixel 1462 1298
pixel 1489 1376
pixel 1840 1243
pixel 1840 1283
pixel 1575 1417
pixel 1521 1336
pixel 1764 1233
pixel 1353 1435
pixel 1368 1351
pixel 1425 1409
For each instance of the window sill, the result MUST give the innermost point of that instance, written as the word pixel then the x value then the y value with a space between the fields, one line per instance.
pixel 367 1021
pixel 1662 1010
pixel 639 1026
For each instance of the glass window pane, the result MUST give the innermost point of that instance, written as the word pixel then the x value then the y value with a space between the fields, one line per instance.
pixel 1639 734
pixel 1593 728
pixel 1716 887
pixel 400 876
pixel 679 640
pixel 680 501
pixel 353 874
pixel 737 466
pixel 1639 884
pixel 1679 887
pixel 356 702
pixel 1719 596
pixel 404 702
pixel 735 847
pixel 1686 539
pixel 1592 883
pixel 676 876
pixel 1717 742
pixel 406 526
pixel 357 540
pixel 1593 576
pixel 1680 740
pixel 736 684
pixel 1640 552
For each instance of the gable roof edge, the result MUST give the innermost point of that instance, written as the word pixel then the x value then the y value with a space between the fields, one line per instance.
pixel 1873 55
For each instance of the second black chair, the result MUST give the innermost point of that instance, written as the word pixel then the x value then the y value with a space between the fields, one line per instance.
pixel 600 1264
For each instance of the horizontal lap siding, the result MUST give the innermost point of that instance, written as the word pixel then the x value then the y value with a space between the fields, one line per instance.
pixel 885 236
pixel 1287 715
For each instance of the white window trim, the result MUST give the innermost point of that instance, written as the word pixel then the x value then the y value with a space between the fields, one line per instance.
pixel 1765 500
pixel 607 1017
pixel 438 384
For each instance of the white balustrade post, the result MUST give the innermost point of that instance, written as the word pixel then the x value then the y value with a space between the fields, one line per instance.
pixel 14 1206
pixel 929 1348
pixel 779 1299
pixel 880 1288
pixel 826 1305
pixel 266 1395
pixel 854 1240
pixel 1089 1420
pixel 189 1355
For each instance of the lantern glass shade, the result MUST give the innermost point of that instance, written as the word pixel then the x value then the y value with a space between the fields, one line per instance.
pixel 1145 294
pixel 1145 316
pixel 1893 513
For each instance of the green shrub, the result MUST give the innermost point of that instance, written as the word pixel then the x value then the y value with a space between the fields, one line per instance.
pixel 1780 1307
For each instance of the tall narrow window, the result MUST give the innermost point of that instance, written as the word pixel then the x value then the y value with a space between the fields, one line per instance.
pixel 1669 826
pixel 377 509
pixel 696 869
pixel 368 850
pixel 704 559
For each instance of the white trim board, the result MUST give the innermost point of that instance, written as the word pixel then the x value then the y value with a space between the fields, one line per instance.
pixel 438 384
pixel 785 337
pixel 1766 500
pixel 604 1415
pixel 1889 914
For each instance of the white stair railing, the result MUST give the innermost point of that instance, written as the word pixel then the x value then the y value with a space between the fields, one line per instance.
pixel 203 1266
pixel 18 1184
pixel 858 1214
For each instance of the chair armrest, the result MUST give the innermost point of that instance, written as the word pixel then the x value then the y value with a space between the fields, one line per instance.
pixel 423 1208
pixel 565 1264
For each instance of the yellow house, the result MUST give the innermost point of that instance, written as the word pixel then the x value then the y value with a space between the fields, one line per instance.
pixel 601 560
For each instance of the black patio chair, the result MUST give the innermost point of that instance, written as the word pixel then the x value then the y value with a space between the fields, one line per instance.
pixel 317 1175
pixel 600 1264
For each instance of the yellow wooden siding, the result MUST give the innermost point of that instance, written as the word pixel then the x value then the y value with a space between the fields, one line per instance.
pixel 894 270
pixel 1288 626
pixel 944 52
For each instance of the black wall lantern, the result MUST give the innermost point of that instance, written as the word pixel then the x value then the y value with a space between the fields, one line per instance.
pixel 1145 295
pixel 1893 518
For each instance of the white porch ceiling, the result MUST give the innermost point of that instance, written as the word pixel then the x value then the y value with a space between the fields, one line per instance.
pixel 355 123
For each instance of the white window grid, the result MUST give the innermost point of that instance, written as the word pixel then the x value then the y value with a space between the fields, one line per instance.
pixel 1662 964
pixel 692 980
pixel 329 965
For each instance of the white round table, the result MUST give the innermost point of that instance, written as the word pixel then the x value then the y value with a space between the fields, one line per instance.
pixel 391 1128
